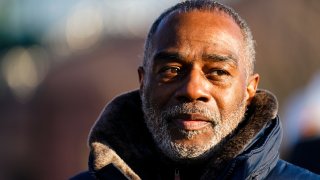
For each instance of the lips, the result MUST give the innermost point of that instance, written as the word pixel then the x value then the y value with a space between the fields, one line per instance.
pixel 191 121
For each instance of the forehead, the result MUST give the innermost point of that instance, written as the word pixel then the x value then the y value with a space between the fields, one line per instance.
pixel 203 18
pixel 209 29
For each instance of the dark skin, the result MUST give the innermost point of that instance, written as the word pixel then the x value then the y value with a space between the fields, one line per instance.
pixel 198 57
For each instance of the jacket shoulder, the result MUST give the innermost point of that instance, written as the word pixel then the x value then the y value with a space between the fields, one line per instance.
pixel 286 170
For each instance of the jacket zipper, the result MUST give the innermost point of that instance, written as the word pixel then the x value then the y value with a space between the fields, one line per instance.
pixel 176 174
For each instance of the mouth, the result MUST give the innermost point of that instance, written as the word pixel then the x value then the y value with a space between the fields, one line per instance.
pixel 191 122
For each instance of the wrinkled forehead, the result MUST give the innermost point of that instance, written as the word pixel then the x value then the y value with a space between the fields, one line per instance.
pixel 201 22
pixel 210 30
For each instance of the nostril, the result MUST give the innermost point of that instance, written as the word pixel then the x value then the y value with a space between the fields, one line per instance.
pixel 204 99
pixel 189 99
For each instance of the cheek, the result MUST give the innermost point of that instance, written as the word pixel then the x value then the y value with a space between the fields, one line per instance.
pixel 229 99
pixel 159 94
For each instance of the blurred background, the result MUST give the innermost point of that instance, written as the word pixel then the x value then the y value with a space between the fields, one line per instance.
pixel 62 61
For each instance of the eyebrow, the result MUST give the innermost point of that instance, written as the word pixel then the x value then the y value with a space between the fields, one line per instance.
pixel 209 57
pixel 217 57
pixel 168 56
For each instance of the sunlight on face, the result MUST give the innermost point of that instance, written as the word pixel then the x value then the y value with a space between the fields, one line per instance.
pixel 194 90
pixel 159 124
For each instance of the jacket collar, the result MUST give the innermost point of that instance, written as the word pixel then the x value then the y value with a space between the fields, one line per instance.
pixel 120 137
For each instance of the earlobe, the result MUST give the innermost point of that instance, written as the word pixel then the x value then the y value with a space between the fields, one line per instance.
pixel 252 86
pixel 141 74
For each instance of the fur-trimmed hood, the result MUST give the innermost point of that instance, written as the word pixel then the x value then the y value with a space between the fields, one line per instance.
pixel 120 137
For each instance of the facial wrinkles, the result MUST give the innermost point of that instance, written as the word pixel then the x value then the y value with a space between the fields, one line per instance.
pixel 225 117
pixel 217 25
pixel 225 40
pixel 158 126
pixel 158 122
pixel 194 46
pixel 235 45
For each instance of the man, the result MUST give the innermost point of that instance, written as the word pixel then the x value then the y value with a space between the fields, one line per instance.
pixel 198 113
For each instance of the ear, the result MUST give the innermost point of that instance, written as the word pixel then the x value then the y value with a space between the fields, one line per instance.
pixel 141 74
pixel 252 87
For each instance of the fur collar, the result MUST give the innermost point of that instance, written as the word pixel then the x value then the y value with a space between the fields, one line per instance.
pixel 120 137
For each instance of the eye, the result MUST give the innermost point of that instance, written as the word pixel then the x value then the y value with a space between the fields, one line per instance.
pixel 169 72
pixel 217 74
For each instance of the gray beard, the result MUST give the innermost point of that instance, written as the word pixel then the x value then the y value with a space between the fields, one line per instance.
pixel 157 123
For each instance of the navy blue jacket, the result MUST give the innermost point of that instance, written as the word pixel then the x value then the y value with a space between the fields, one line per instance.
pixel 122 147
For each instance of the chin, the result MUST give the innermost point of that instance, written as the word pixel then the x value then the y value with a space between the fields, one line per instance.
pixel 194 146
pixel 185 153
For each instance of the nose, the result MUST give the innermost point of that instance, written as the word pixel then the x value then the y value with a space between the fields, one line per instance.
pixel 195 87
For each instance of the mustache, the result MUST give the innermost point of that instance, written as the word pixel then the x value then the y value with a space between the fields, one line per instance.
pixel 190 108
